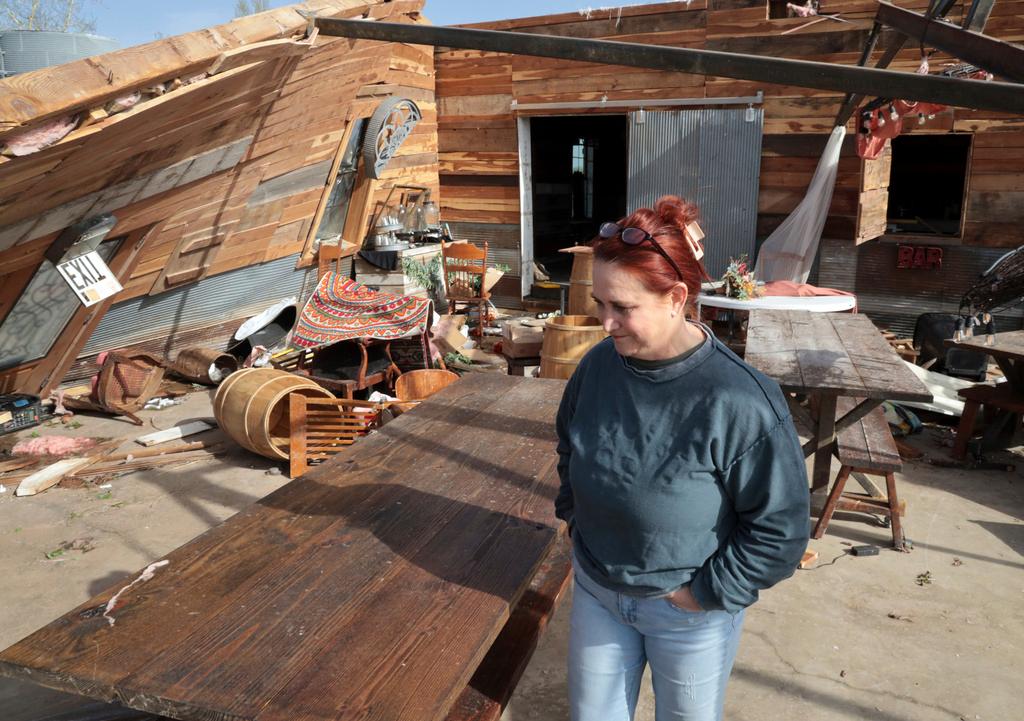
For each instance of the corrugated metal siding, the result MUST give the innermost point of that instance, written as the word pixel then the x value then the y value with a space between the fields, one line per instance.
pixel 502 247
pixel 894 298
pixel 235 294
pixel 26 50
pixel 709 156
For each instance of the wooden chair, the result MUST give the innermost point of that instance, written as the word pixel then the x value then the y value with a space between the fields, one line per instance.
pixel 344 367
pixel 414 386
pixel 321 427
pixel 866 447
pixel 465 266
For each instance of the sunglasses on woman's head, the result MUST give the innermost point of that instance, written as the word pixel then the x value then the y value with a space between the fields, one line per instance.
pixel 636 236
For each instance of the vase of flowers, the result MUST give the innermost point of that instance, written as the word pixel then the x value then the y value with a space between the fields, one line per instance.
pixel 738 279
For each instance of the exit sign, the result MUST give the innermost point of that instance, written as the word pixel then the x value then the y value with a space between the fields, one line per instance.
pixel 918 256
pixel 89 277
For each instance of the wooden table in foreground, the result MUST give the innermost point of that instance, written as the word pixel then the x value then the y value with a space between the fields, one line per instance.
pixel 370 588
pixel 829 355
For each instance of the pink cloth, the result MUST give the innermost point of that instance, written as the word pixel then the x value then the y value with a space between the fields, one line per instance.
pixel 799 290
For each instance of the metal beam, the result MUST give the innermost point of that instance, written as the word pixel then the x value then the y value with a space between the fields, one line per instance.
pixel 977 16
pixel 1003 97
pixel 997 57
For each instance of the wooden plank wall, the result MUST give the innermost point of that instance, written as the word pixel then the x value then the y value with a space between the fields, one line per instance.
pixel 477 132
pixel 231 167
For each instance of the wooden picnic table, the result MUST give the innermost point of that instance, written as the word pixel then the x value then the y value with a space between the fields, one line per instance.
pixel 1007 349
pixel 369 588
pixel 1006 397
pixel 829 355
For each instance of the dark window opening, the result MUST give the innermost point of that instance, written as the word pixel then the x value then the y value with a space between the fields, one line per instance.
pixel 926 184
pixel 580 164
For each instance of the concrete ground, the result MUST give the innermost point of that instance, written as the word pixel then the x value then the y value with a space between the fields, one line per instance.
pixel 853 638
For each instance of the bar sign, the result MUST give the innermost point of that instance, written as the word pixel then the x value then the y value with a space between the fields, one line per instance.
pixel 90 278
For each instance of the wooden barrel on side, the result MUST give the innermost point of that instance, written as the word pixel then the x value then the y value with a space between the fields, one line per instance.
pixel 194 364
pixel 581 281
pixel 251 406
pixel 566 339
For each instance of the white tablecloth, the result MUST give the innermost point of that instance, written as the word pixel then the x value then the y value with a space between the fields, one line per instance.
pixel 818 303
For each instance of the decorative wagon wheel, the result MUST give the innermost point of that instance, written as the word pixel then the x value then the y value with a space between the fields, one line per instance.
pixel 390 125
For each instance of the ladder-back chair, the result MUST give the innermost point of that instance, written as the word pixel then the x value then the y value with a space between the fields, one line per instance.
pixel 465 266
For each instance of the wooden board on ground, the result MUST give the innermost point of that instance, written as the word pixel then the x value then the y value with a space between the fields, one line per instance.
pixel 172 434
pixel 372 586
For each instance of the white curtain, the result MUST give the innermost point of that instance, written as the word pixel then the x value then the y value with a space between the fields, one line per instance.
pixel 788 253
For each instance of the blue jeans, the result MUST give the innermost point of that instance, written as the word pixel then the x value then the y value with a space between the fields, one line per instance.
pixel 612 638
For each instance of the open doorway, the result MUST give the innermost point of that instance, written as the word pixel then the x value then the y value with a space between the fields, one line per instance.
pixel 579 166
pixel 926 184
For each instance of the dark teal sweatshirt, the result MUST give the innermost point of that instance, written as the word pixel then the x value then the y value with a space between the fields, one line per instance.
pixel 686 474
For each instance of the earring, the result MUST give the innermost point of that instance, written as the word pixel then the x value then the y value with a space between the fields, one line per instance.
pixel 673 314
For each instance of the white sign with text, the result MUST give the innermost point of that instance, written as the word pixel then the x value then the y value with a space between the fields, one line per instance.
pixel 90 278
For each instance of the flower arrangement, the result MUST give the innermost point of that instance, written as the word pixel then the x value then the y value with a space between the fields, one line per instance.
pixel 739 280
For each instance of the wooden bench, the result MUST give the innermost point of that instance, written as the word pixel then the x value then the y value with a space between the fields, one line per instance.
pixel 998 397
pixel 865 447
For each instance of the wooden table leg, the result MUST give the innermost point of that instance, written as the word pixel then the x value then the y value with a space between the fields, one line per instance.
pixel 824 437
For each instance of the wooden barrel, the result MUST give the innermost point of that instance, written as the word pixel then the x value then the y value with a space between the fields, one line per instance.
pixel 194 364
pixel 251 406
pixel 581 283
pixel 566 339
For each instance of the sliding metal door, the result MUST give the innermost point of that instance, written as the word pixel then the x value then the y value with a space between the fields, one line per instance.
pixel 711 157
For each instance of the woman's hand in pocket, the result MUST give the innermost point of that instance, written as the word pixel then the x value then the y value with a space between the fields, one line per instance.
pixel 683 598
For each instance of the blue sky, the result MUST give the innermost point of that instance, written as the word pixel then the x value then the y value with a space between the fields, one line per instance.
pixel 132 22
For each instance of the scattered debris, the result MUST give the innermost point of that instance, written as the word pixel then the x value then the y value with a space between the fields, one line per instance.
pixel 174 433
pixel 158 404
pixel 146 575
pixel 16 464
pixel 3 488
pixel 897 617
pixel 924 579
pixel 842 673
pixel 808 558
pixel 51 475
pixel 957 562
pixel 79 544
pixel 52 446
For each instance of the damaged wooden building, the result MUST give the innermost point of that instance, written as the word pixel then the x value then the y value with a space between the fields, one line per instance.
pixel 224 157
pixel 227 155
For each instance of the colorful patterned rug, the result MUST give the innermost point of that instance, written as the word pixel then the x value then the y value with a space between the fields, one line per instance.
pixel 342 309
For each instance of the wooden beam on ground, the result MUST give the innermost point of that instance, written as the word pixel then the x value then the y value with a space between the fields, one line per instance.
pixel 1002 97
pixel 1003 59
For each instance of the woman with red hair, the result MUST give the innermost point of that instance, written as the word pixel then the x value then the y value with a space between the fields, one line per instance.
pixel 682 481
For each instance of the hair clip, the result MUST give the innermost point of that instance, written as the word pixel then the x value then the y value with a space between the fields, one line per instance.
pixel 694 235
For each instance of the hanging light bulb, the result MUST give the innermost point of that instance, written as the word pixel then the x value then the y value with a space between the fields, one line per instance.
pixel 751 114
pixel 641 117
pixel 881 120
pixel 990 329
pixel 958 334
pixel 893 115
pixel 931 116
pixel 920 118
